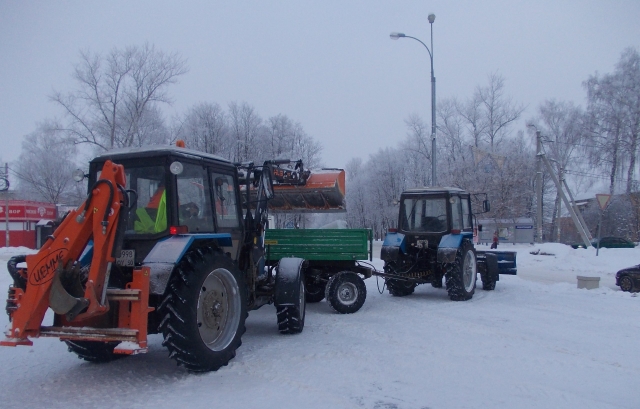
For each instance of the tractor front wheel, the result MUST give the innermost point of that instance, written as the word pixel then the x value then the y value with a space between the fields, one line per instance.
pixel 94 351
pixel 400 288
pixel 291 317
pixel 488 282
pixel 204 311
pixel 461 274
pixel 315 293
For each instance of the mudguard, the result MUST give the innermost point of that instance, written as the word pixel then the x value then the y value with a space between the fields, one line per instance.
pixel 393 245
pixel 288 276
pixel 449 245
pixel 166 254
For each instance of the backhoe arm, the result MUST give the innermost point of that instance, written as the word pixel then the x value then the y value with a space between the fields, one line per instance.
pixel 57 262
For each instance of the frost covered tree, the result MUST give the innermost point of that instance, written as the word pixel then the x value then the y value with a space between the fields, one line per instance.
pixel 205 127
pixel 246 129
pixel 45 168
pixel 116 102
pixel 477 151
pixel 416 149
pixel 562 124
pixel 498 109
pixel 613 120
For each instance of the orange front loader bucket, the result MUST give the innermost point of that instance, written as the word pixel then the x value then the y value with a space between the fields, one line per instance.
pixel 82 316
pixel 323 191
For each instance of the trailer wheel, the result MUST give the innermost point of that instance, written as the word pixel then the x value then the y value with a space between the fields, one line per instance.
pixel 346 292
pixel 461 274
pixel 94 351
pixel 400 288
pixel 315 293
pixel 204 311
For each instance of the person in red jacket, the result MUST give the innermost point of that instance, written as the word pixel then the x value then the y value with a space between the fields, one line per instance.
pixel 494 245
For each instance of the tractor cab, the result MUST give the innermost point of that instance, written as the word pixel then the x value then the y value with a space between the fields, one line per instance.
pixel 175 191
pixel 426 215
pixel 430 213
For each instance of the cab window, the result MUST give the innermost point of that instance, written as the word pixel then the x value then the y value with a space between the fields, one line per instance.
pixel 226 204
pixel 194 208
pixel 427 215
pixel 150 213
pixel 466 214
pixel 456 213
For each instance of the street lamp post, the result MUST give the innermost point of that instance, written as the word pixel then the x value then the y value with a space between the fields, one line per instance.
pixel 395 36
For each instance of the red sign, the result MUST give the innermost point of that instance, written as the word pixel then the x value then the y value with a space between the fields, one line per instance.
pixel 23 210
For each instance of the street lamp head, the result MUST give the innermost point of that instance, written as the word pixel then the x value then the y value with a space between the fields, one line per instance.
pixel 395 36
pixel 432 18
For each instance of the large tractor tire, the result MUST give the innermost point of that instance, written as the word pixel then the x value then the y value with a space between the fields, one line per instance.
pixel 93 351
pixel 461 275
pixel 290 295
pixel 400 288
pixel 204 311
pixel 346 292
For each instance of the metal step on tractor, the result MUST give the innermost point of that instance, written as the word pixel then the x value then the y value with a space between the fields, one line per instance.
pixel 169 240
pixel 434 240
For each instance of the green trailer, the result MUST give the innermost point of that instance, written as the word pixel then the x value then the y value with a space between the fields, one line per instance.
pixel 331 267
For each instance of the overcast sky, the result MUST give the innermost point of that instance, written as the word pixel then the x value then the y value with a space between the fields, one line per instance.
pixel 329 65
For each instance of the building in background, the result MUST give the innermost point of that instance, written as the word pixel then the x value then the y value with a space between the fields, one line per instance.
pixel 509 230
pixel 24 218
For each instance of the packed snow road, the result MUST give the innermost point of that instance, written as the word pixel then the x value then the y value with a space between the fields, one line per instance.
pixel 536 341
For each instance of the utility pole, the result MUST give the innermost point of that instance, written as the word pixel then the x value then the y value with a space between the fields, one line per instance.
pixel 539 185
pixel 582 229
pixel 576 210
pixel 6 204
pixel 434 180
pixel 559 204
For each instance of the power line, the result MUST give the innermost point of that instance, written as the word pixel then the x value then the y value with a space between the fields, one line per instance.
pixel 578 144
pixel 591 175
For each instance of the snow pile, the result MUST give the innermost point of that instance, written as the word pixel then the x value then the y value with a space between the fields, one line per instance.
pixel 535 342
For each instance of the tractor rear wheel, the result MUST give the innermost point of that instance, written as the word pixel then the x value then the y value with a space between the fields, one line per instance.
pixel 461 274
pixel 204 311
pixel 94 351
pixel 346 292
pixel 400 288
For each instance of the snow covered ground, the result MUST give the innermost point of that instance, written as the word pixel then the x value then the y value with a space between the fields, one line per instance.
pixel 535 342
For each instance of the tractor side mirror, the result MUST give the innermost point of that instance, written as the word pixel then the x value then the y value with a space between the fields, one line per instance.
pixel 78 175
pixel 486 207
pixel 479 227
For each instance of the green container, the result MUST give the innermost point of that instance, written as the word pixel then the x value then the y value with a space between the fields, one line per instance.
pixel 319 244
